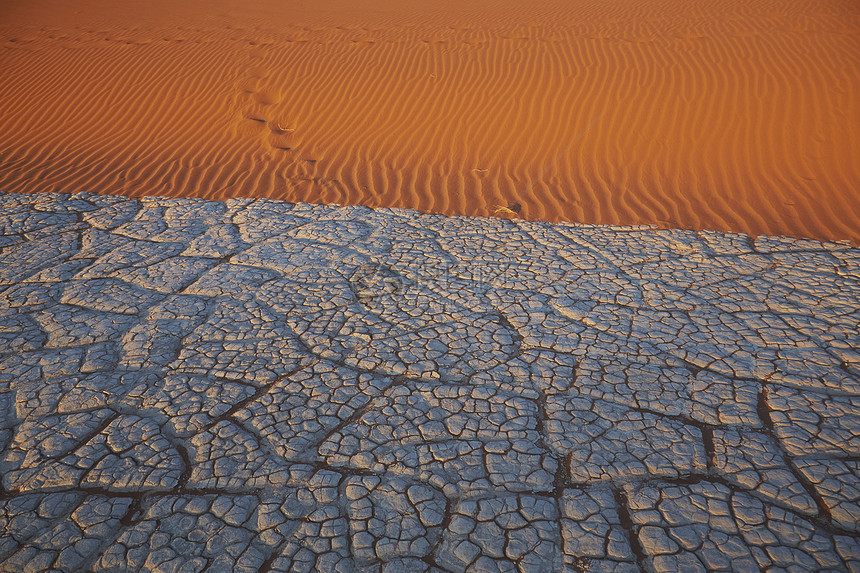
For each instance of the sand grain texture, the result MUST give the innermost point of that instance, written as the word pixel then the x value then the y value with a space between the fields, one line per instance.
pixel 727 115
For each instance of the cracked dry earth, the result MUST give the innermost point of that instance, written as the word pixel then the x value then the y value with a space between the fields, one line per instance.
pixel 252 385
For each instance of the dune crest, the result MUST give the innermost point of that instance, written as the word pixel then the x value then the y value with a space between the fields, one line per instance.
pixel 726 115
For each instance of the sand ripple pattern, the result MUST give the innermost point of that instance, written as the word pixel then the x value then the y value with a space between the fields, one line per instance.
pixel 694 115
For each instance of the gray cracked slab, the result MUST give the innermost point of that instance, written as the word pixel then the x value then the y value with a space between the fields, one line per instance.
pixel 252 385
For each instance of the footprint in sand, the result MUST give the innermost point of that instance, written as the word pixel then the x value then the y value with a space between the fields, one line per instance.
pixel 279 129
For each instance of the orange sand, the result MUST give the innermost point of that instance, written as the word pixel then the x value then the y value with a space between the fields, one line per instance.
pixel 733 115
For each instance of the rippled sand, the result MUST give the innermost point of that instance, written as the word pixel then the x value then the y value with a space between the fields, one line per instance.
pixel 728 115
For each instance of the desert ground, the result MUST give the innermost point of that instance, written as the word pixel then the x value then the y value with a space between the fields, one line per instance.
pixel 254 385
pixel 429 287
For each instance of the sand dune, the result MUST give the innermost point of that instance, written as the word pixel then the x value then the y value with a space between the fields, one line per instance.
pixel 729 115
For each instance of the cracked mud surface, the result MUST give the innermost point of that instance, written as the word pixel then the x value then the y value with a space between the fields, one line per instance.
pixel 252 385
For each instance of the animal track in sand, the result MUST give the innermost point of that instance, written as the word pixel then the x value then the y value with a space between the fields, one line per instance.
pixel 278 131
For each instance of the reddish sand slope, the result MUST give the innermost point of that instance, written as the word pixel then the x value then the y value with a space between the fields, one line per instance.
pixel 737 115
